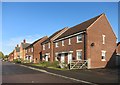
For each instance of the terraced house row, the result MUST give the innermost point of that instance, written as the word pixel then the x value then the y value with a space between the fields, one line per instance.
pixel 93 41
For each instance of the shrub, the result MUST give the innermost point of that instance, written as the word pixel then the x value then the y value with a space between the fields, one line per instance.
pixel 55 64
pixel 63 65
pixel 26 61
pixel 49 64
pixel 17 60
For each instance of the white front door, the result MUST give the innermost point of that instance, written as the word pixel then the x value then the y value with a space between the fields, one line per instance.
pixel 69 57
pixel 62 58
pixel 31 58
pixel 46 58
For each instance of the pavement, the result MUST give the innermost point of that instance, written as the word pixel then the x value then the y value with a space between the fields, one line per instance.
pixel 17 73
pixel 96 76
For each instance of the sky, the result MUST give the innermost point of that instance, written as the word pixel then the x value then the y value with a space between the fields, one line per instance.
pixel 0 26
pixel 33 20
pixel 119 22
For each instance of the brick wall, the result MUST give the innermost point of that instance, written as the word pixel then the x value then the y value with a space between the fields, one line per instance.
pixel 38 50
pixel 94 35
pixel 72 47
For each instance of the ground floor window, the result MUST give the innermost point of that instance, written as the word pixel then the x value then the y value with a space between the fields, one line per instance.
pixel 103 55
pixel 79 54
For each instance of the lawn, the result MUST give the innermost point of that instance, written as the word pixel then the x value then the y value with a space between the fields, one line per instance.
pixel 54 65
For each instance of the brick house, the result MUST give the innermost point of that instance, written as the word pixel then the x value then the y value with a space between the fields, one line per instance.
pixel 92 40
pixel 38 49
pixel 118 48
pixel 118 54
pixel 29 53
pixel 23 45
pixel 11 56
pixel 47 45
pixel 34 50
pixel 16 52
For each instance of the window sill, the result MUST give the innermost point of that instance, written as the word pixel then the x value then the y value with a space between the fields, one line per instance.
pixel 103 60
pixel 79 59
pixel 79 41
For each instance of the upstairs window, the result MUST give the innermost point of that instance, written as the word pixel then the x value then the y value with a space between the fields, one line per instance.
pixel 62 43
pixel 103 36
pixel 79 38
pixel 29 49
pixel 69 41
pixel 32 49
pixel 79 54
pixel 103 55
pixel 43 47
pixel 48 45
pixel 56 44
pixel 26 51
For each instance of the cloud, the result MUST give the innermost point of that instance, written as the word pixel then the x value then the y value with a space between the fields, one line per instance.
pixel 9 45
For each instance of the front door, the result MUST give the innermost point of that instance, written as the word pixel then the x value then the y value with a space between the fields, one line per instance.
pixel 40 56
pixel 62 58
pixel 31 58
pixel 46 58
pixel 69 57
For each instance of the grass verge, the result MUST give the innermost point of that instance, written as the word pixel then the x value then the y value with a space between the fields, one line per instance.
pixel 54 65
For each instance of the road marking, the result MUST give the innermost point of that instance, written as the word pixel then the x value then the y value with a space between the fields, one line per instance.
pixel 32 81
pixel 44 71
pixel 34 68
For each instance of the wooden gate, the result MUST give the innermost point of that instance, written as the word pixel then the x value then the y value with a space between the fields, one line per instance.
pixel 78 64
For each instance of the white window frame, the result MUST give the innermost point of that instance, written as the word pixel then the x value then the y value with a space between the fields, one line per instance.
pixel 103 39
pixel 32 49
pixel 62 42
pixel 69 41
pixel 26 50
pixel 56 44
pixel 103 55
pixel 48 45
pixel 29 49
pixel 78 38
pixel 77 54
pixel 43 47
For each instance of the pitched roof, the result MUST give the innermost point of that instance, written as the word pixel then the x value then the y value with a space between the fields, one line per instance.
pixel 80 27
pixel 38 40
pixel 35 42
pixel 11 53
pixel 29 46
pixel 17 49
pixel 118 43
pixel 47 40
pixel 24 45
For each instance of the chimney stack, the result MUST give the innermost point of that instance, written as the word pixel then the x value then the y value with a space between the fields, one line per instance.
pixel 17 45
pixel 24 41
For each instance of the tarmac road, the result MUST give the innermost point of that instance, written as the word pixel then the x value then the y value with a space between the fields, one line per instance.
pixel 12 73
